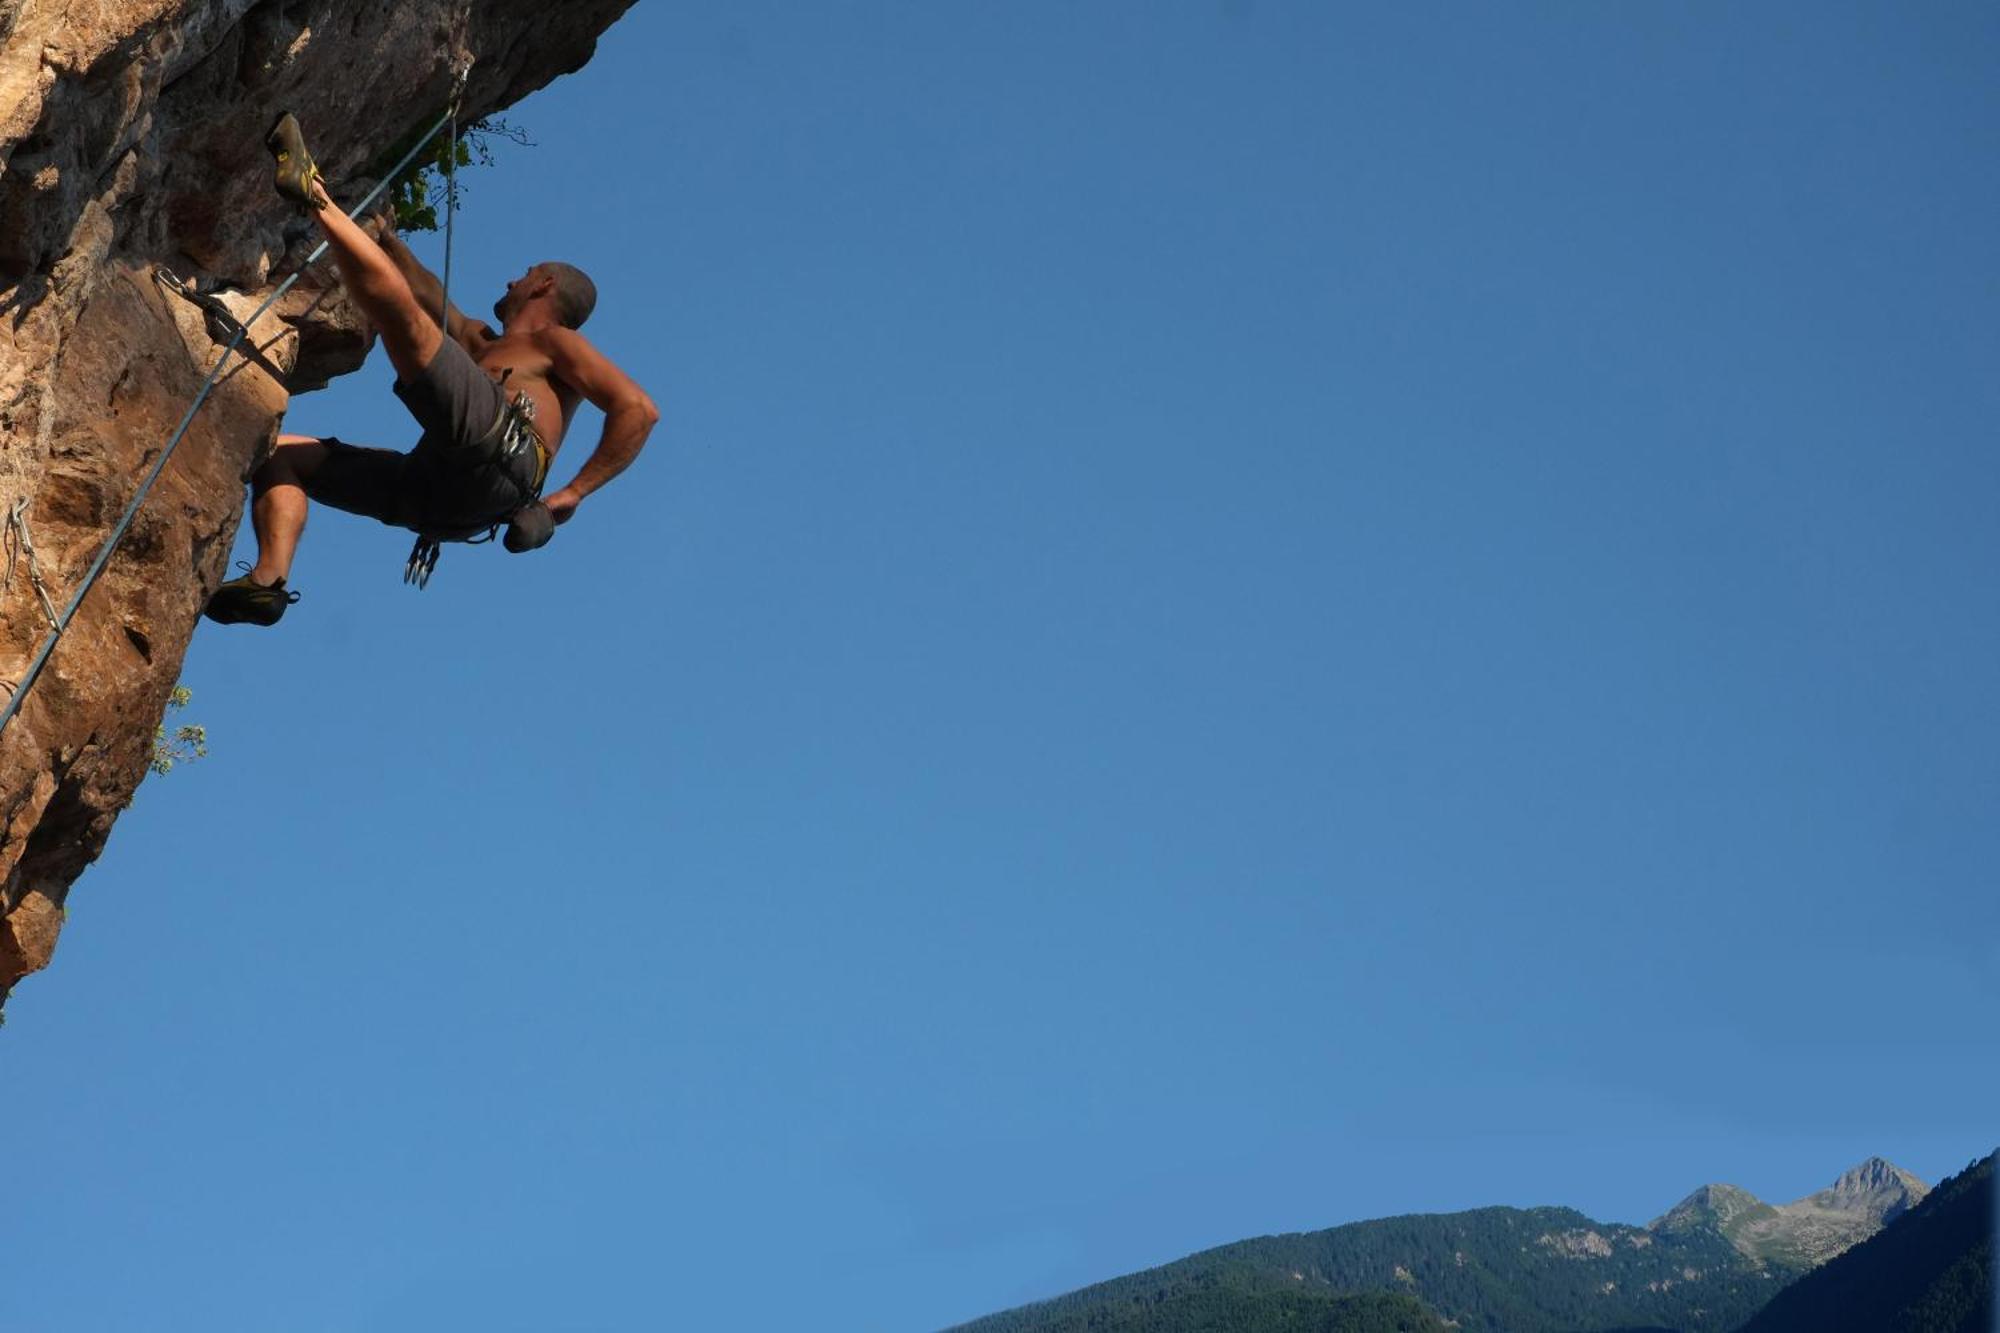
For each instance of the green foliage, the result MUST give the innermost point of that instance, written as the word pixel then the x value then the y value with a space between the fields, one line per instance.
pixel 1235 1306
pixel 187 743
pixel 419 192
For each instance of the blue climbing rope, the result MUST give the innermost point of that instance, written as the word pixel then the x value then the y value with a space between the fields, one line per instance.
pixel 450 209
pixel 20 692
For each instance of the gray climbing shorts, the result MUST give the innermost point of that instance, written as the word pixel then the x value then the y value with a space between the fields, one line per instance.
pixel 458 479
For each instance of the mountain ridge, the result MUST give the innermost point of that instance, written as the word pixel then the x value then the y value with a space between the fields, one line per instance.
pixel 1547 1269
pixel 1807 1231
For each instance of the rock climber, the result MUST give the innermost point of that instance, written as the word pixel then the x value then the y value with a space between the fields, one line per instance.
pixel 493 406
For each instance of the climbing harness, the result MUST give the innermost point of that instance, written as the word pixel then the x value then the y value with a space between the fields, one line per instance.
pixel 241 330
pixel 514 438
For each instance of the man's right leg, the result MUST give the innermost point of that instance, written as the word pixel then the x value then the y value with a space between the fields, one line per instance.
pixel 409 335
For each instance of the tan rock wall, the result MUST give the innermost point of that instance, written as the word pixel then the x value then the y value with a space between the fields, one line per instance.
pixel 131 136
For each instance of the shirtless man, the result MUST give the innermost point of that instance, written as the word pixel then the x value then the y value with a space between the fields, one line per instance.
pixel 485 448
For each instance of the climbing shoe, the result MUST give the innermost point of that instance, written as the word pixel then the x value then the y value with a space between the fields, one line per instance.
pixel 297 174
pixel 243 602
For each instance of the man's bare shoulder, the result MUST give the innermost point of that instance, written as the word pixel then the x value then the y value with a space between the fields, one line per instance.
pixel 577 363
pixel 573 356
pixel 559 341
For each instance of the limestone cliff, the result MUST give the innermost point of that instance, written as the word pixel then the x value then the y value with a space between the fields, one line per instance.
pixel 130 137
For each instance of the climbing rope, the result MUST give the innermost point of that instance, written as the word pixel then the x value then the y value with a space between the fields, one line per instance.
pixel 243 327
pixel 450 197
pixel 424 555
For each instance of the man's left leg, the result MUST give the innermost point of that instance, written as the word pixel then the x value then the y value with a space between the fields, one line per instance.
pixel 278 516
pixel 376 483
pixel 278 504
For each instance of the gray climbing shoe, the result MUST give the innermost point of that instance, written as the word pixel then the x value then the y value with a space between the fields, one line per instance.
pixel 241 601
pixel 297 173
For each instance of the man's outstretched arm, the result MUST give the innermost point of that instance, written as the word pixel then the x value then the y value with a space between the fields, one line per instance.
pixel 629 416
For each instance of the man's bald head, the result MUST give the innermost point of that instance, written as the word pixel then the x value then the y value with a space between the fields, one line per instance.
pixel 575 293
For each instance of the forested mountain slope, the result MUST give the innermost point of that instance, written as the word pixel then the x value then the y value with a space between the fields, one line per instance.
pixel 1229 1305
pixel 1536 1270
pixel 1709 1263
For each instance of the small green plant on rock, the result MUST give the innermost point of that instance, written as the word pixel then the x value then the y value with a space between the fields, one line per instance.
pixel 420 191
pixel 188 742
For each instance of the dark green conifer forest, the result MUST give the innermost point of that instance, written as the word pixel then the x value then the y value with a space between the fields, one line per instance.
pixel 1227 1307
pixel 1503 1270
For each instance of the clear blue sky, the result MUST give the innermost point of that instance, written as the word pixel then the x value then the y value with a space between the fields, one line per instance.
pixel 1245 616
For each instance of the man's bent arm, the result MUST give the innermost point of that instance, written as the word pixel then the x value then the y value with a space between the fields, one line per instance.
pixel 629 415
pixel 625 432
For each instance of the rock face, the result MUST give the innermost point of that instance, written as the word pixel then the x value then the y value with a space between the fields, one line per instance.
pixel 131 137
pixel 1808 1231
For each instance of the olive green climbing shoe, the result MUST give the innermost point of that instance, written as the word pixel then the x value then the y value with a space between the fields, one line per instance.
pixel 242 602
pixel 297 174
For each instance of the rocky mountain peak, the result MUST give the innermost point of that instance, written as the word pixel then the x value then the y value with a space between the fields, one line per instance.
pixel 1871 1185
pixel 1719 1206
pixel 1808 1231
pixel 1877 1188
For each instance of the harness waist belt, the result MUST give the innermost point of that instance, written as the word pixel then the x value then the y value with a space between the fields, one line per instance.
pixel 515 431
